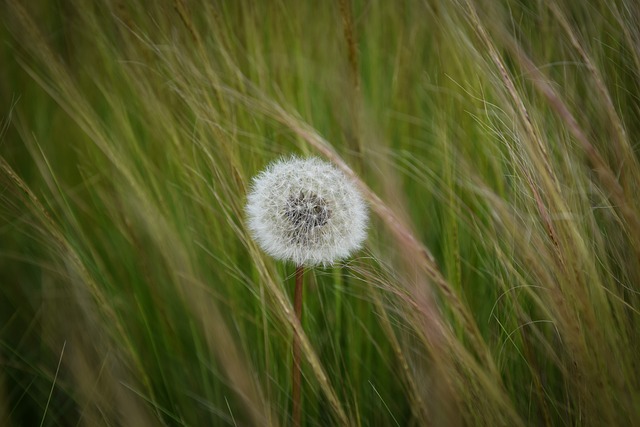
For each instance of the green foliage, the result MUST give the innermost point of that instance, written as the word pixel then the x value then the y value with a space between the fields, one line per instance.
pixel 497 145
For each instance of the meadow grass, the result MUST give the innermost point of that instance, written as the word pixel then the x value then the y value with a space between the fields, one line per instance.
pixel 496 146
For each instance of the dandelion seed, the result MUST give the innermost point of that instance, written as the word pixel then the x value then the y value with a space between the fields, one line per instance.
pixel 306 211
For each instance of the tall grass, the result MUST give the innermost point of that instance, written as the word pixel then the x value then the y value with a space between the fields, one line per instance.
pixel 496 145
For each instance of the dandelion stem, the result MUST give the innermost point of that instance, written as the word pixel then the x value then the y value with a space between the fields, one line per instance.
pixel 296 366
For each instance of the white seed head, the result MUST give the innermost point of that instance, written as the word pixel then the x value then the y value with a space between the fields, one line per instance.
pixel 306 211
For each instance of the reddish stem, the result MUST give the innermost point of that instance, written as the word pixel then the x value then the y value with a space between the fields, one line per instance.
pixel 296 367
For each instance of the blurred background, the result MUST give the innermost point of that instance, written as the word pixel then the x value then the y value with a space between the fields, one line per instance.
pixel 496 143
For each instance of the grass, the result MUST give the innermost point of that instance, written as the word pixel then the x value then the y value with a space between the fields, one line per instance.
pixel 495 143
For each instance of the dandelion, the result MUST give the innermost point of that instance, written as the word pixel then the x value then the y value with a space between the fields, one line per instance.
pixel 308 212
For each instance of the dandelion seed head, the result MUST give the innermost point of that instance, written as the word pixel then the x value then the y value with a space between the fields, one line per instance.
pixel 306 211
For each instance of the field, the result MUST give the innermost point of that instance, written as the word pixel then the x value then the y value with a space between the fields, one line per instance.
pixel 495 144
